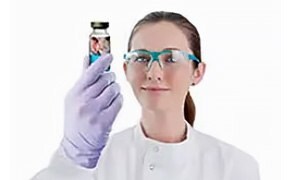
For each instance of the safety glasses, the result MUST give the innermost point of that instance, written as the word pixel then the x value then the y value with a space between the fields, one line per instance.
pixel 167 59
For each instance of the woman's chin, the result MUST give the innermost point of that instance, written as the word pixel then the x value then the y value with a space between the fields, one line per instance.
pixel 154 105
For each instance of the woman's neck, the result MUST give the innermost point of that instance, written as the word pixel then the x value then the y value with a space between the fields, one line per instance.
pixel 168 127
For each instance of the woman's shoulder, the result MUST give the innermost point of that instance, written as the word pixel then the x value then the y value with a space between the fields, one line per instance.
pixel 210 142
pixel 228 152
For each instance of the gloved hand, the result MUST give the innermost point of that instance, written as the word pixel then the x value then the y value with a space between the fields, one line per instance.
pixel 91 107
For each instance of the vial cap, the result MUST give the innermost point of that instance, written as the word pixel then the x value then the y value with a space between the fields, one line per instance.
pixel 99 25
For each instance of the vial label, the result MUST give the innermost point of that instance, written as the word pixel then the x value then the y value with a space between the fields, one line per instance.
pixel 99 45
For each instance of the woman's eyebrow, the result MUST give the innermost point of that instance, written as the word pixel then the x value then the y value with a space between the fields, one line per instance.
pixel 171 48
pixel 140 50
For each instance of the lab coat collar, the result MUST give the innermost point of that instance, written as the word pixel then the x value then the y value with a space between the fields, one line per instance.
pixel 176 151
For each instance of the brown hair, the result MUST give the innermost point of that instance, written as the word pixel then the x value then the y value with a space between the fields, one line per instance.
pixel 194 44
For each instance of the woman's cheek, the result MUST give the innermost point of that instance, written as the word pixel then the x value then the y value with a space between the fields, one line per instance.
pixel 136 82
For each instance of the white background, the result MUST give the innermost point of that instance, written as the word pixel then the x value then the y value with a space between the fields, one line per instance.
pixel 237 102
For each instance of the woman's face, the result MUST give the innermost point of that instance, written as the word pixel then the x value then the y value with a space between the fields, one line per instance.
pixel 94 46
pixel 157 37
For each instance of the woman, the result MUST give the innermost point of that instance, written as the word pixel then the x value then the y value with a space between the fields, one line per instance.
pixel 162 62
pixel 94 49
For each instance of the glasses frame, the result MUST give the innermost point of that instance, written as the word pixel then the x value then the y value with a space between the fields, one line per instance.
pixel 155 56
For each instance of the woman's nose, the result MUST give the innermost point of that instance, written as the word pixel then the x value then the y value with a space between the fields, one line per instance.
pixel 155 72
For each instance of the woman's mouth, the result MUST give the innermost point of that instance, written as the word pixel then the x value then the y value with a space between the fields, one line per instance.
pixel 155 89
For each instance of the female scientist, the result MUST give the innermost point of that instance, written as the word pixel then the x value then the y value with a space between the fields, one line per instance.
pixel 162 62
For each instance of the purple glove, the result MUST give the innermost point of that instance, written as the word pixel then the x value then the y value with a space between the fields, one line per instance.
pixel 91 107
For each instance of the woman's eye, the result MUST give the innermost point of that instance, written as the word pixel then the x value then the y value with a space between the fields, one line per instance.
pixel 171 60
pixel 168 58
pixel 141 59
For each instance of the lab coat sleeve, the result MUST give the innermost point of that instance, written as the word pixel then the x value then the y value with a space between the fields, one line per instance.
pixel 242 166
pixel 62 168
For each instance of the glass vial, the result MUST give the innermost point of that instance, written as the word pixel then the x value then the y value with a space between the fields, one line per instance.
pixel 99 43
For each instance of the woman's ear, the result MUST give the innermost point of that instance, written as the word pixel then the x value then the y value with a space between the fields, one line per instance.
pixel 198 73
pixel 125 69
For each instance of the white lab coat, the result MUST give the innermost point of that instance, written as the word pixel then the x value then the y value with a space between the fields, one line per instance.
pixel 129 155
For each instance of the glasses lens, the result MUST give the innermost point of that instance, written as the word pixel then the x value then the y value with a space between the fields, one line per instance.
pixel 141 57
pixel 172 58
pixel 138 59
pixel 169 59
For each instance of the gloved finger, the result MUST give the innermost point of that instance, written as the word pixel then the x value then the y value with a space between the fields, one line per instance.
pixel 109 93
pixel 86 63
pixel 95 89
pixel 108 115
pixel 92 73
pixel 113 108
pixel 114 99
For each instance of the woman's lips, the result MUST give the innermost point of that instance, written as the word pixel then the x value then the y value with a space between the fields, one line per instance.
pixel 154 89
